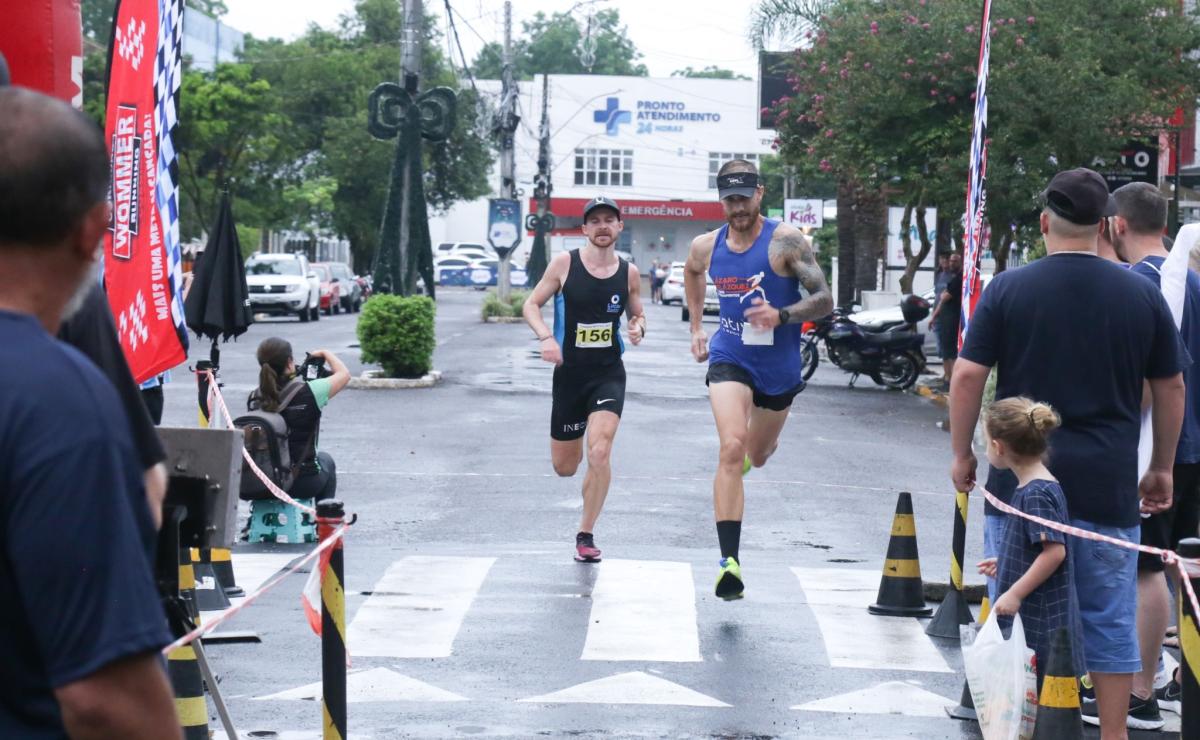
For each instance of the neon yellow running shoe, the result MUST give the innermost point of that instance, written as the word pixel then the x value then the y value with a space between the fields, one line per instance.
pixel 746 465
pixel 729 580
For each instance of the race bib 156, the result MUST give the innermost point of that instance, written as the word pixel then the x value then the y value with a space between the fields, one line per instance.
pixel 593 336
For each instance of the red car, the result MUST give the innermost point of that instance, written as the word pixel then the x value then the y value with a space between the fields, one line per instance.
pixel 331 292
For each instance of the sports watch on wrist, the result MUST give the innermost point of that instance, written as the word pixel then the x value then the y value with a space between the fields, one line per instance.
pixel 783 316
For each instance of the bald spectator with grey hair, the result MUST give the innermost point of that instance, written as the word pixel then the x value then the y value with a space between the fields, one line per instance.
pixel 82 625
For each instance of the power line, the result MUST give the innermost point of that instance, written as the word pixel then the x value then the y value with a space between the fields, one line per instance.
pixel 458 42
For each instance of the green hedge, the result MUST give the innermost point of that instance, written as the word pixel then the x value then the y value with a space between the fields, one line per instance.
pixel 397 333
pixel 492 305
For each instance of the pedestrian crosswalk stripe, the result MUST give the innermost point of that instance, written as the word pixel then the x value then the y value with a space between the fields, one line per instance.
pixel 643 610
pixel 635 687
pixel 854 638
pixel 251 570
pixel 892 697
pixel 376 684
pixel 417 607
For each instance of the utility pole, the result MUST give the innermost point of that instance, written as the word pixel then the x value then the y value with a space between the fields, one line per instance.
pixel 506 128
pixel 542 222
pixel 410 74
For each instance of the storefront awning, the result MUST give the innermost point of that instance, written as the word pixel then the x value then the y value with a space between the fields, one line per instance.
pixel 657 210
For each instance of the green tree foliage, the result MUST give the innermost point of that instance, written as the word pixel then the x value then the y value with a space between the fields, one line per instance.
pixel 884 95
pixel 551 45
pixel 285 129
pixel 230 136
pixel 322 81
pixel 711 72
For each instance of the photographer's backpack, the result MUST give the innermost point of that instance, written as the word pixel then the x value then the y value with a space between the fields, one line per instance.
pixel 265 437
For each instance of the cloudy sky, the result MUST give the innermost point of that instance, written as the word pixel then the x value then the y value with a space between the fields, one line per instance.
pixel 671 34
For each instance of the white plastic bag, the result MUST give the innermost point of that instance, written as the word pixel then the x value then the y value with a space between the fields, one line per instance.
pixel 1002 677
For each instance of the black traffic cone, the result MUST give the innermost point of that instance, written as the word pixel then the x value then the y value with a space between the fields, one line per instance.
pixel 222 565
pixel 1058 716
pixel 966 706
pixel 901 593
pixel 210 596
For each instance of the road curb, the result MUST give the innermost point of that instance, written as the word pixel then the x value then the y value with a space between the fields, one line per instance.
pixel 503 319
pixel 371 380
pixel 938 398
pixel 936 591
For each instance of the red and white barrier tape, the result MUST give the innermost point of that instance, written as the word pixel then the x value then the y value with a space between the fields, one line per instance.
pixel 1170 557
pixel 275 490
pixel 209 626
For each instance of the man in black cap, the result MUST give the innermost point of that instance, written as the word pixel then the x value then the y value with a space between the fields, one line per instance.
pixel 1081 334
pixel 591 287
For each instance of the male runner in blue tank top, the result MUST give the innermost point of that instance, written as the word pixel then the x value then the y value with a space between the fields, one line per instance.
pixel 591 287
pixel 759 267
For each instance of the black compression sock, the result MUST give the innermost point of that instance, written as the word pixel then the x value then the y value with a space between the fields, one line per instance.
pixel 583 538
pixel 729 533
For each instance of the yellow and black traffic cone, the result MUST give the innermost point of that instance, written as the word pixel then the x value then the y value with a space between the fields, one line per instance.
pixel 210 596
pixel 901 592
pixel 985 609
pixel 188 684
pixel 1058 715
pixel 187 584
pixel 222 565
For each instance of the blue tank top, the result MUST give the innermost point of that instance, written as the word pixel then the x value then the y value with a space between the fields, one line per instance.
pixel 772 358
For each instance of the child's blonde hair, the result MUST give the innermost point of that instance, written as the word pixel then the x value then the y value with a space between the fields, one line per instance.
pixel 1024 425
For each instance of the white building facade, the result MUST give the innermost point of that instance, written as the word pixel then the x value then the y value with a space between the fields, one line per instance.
pixel 652 144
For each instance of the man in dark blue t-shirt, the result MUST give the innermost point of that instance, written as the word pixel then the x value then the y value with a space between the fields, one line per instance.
pixel 1082 335
pixel 82 626
pixel 1137 238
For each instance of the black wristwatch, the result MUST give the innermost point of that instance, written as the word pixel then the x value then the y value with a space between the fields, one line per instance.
pixel 783 316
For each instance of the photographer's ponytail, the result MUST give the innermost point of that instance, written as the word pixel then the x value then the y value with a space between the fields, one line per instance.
pixel 273 356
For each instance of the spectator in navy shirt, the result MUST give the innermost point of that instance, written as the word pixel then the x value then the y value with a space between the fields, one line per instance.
pixel 1081 334
pixel 81 627
pixel 1137 237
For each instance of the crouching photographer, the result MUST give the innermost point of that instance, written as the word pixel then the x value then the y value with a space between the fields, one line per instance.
pixel 298 395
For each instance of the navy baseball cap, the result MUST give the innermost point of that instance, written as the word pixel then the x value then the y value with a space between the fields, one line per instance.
pixel 744 184
pixel 1080 196
pixel 601 201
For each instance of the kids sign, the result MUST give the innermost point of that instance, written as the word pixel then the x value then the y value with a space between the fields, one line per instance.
pixel 802 212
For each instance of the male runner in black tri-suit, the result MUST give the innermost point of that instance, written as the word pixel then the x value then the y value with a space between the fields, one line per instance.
pixel 591 287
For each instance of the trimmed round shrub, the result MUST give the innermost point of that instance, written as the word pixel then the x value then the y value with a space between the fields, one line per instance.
pixel 397 333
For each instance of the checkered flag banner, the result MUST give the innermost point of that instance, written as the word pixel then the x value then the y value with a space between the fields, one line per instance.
pixel 168 74
pixel 975 231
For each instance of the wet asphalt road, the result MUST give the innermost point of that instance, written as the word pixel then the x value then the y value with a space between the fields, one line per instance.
pixel 458 477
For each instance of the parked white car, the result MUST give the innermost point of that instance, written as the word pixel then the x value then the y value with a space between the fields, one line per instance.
pixel 449 263
pixel 672 290
pixel 283 284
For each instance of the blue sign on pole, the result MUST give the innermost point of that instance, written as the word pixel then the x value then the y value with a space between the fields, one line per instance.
pixel 504 225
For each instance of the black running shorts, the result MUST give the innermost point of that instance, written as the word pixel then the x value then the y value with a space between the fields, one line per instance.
pixel 727 372
pixel 1179 522
pixel 579 391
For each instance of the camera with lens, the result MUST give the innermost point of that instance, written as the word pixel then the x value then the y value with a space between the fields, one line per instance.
pixel 313 368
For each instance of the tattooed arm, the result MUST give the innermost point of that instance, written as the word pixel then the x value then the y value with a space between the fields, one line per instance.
pixel 791 254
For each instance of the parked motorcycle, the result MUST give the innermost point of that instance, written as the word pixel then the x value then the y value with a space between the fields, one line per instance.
pixel 889 353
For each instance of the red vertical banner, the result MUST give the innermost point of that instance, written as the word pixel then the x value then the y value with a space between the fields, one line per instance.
pixel 137 264
pixel 43 44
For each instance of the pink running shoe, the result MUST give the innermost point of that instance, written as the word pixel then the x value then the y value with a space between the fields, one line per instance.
pixel 585 549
